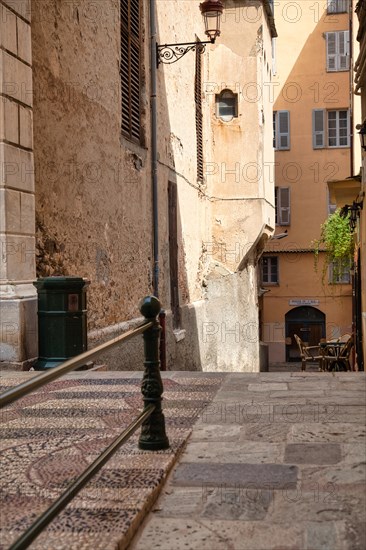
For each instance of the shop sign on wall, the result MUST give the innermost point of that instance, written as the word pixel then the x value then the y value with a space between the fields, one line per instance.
pixel 303 302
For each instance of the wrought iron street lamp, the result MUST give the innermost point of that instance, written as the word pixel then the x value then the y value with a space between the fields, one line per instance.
pixel 211 11
pixel 362 134
pixel 354 212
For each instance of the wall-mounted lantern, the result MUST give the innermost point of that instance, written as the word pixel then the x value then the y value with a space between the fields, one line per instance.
pixel 354 212
pixel 211 11
pixel 362 134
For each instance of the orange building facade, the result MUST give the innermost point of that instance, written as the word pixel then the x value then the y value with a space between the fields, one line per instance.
pixel 313 118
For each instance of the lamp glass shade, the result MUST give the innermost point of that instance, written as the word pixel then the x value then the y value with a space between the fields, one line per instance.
pixel 211 11
pixel 362 134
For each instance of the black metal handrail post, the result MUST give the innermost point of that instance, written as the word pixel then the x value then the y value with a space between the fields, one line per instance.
pixel 153 436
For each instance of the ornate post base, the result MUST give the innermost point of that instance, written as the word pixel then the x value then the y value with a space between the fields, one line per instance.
pixel 153 436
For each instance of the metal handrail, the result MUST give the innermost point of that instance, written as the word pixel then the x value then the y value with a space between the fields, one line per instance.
pixel 11 395
pixel 151 420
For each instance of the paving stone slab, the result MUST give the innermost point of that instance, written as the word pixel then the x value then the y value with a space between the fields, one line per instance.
pixel 269 432
pixel 268 386
pixel 215 433
pixel 312 453
pixel 222 502
pixel 203 534
pixel 294 395
pixel 344 477
pixel 317 432
pixel 355 535
pixel 325 536
pixel 319 504
pixel 246 451
pixel 252 476
pixel 354 453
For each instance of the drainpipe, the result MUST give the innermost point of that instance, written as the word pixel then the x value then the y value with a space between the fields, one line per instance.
pixel 154 154
pixel 154 177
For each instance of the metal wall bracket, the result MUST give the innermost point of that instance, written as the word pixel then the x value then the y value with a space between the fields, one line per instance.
pixel 171 53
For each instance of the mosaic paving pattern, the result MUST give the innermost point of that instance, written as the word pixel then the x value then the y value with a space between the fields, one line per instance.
pixel 49 437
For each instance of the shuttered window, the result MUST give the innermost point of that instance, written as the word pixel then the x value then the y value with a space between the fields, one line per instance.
pixel 198 104
pixel 269 269
pixel 336 6
pixel 337 51
pixel 281 130
pixel 282 205
pixel 318 128
pixel 330 128
pixel 130 68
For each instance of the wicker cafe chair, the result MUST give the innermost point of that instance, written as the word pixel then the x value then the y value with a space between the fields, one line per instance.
pixel 307 354
pixel 342 361
pixel 345 337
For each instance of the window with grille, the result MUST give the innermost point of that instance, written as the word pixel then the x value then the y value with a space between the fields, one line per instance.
pixel 337 6
pixel 339 272
pixel 270 270
pixel 198 106
pixel 331 128
pixel 337 51
pixel 282 205
pixel 130 68
pixel 281 130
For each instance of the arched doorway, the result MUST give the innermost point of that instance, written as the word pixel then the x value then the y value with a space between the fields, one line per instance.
pixel 308 323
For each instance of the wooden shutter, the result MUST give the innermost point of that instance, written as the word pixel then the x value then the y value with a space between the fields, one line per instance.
pixel 343 50
pixel 331 51
pixel 198 104
pixel 283 133
pixel 283 196
pixel 130 68
pixel 337 6
pixel 318 128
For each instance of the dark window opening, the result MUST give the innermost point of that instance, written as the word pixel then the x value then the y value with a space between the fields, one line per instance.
pixel 227 105
pixel 130 69
pixel 173 253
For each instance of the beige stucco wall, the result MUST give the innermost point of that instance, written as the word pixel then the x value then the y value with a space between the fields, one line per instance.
pixel 93 187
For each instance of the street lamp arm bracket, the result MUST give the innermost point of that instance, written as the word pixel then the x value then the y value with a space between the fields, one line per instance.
pixel 170 53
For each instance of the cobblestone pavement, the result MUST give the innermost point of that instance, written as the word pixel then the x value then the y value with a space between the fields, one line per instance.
pixel 275 462
pixel 49 437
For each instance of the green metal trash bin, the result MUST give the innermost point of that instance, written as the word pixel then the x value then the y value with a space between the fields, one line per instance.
pixel 62 330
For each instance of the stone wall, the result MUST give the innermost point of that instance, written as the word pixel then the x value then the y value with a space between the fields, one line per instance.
pixel 18 327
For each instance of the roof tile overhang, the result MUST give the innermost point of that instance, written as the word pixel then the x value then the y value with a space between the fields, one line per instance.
pixel 344 191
